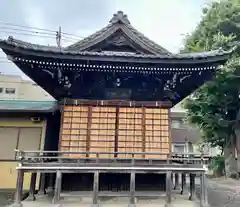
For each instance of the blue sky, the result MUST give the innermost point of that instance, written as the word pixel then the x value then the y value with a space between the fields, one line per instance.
pixel 164 21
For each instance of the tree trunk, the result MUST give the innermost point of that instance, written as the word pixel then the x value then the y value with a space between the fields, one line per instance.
pixel 237 133
pixel 230 161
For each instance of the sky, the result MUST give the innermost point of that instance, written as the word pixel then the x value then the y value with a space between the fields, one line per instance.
pixel 166 22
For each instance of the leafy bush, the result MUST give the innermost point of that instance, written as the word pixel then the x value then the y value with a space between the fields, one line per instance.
pixel 217 165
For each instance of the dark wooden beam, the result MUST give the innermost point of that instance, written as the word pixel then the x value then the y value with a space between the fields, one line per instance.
pixel 58 186
pixel 95 202
pixel 31 196
pixel 204 191
pixel 42 188
pixel 176 183
pixel 132 189
pixel 192 188
pixel 19 189
pixel 168 189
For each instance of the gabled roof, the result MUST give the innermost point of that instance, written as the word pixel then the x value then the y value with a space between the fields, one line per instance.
pixel 119 22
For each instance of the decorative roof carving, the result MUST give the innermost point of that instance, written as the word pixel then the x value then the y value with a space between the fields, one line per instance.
pixel 119 17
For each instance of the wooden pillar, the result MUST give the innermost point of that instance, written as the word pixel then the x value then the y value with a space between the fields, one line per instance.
pixel 183 183
pixel 132 189
pixel 203 192
pixel 32 189
pixel 168 189
pixel 42 190
pixel 19 189
pixel 58 186
pixel 50 182
pixel 95 202
pixel 176 186
pixel 192 187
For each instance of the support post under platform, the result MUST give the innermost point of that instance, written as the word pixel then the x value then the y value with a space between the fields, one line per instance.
pixel 19 190
pixel 192 196
pixel 58 186
pixel 132 190
pixel 168 189
pixel 42 190
pixel 203 192
pixel 95 202
pixel 183 183
pixel 176 186
pixel 32 189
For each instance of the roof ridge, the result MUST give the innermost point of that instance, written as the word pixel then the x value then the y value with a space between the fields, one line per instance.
pixel 117 21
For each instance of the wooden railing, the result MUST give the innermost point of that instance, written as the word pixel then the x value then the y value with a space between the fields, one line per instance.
pixel 63 157
pixel 59 163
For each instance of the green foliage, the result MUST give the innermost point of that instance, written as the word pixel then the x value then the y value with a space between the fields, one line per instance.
pixel 214 106
pixel 217 166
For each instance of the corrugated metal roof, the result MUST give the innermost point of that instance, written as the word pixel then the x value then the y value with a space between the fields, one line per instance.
pixel 21 105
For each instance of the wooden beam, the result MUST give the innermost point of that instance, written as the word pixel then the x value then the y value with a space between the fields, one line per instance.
pixel 143 131
pixel 42 190
pixel 132 189
pixel 58 186
pixel 50 182
pixel 116 131
pixel 192 189
pixel 95 202
pixel 89 122
pixel 203 192
pixel 176 181
pixel 183 182
pixel 19 189
pixel 32 189
pixel 168 189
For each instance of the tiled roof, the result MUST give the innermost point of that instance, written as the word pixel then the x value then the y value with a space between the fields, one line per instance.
pixel 119 21
pixel 34 106
pixel 41 48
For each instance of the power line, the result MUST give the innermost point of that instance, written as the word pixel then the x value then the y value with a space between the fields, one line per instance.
pixel 24 30
pixel 40 29
pixel 27 34
pixel 36 35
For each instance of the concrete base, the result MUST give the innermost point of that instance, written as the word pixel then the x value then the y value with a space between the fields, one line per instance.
pixel 42 193
pixel 204 205
pixel 131 205
pixel 31 198
pixel 17 205
pixel 95 205
pixel 168 205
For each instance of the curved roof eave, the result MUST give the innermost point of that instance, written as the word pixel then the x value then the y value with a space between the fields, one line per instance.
pixel 55 52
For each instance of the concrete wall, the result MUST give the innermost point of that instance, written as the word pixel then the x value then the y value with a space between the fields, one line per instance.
pixel 27 138
pixel 24 89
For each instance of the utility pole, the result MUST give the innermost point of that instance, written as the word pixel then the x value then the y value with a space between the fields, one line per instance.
pixel 58 37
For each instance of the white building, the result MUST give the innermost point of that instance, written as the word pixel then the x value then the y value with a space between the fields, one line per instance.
pixel 13 87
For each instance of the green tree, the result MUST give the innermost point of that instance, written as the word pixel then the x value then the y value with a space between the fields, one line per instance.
pixel 215 106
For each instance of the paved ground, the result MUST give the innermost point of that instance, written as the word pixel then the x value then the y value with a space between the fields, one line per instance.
pixel 224 193
pixel 221 192
pixel 180 201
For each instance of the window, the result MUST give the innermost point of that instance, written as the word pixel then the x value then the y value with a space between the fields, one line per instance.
pixel 1 90
pixel 10 90
pixel 176 124
pixel 178 148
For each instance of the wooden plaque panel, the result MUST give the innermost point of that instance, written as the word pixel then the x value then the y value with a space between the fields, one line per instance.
pixel 115 129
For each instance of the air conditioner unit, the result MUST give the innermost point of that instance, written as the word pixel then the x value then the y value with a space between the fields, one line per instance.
pixel 36 119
